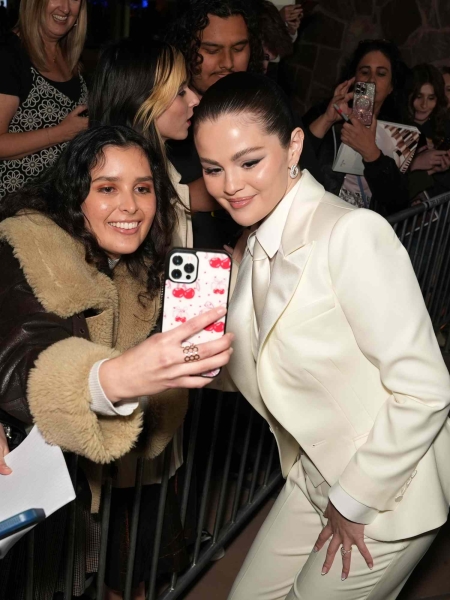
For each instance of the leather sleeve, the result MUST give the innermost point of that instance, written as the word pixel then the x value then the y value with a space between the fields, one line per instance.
pixel 26 329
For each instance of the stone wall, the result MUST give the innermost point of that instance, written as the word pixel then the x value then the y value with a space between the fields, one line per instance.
pixel 420 27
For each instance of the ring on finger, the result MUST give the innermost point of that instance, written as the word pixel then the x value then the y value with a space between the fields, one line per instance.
pixel 344 551
pixel 191 352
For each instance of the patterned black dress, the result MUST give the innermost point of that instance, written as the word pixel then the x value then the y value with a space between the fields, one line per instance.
pixel 43 103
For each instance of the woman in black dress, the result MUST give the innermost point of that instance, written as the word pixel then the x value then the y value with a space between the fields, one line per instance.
pixel 42 94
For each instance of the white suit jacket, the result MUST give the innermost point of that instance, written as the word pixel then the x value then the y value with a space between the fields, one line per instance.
pixel 348 366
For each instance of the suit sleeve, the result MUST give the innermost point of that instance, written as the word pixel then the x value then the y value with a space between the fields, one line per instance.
pixel 377 289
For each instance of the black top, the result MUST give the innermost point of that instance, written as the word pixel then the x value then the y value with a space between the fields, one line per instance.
pixel 16 78
pixel 43 103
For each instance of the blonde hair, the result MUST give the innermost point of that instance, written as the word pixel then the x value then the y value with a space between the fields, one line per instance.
pixel 32 13
pixel 170 76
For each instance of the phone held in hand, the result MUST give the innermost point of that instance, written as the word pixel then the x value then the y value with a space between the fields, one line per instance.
pixel 196 281
pixel 21 521
pixel 363 101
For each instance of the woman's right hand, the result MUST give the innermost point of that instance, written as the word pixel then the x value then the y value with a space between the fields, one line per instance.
pixel 73 124
pixel 4 450
pixel 158 364
pixel 341 98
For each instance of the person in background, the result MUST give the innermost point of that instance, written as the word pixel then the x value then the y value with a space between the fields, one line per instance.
pixel 446 75
pixel 290 16
pixel 42 93
pixel 383 188
pixel 80 295
pixel 144 85
pixel 275 37
pixel 428 109
pixel 217 37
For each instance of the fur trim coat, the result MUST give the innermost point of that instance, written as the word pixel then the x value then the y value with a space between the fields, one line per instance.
pixel 45 284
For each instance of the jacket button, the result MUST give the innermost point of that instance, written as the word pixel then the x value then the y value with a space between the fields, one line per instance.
pixel 82 331
pixel 78 316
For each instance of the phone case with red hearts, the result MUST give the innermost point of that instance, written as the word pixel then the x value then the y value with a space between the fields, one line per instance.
pixel 183 301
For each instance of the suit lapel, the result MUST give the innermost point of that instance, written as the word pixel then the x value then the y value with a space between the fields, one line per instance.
pixel 242 367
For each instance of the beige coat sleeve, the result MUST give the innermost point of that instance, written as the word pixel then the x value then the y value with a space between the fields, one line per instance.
pixel 60 402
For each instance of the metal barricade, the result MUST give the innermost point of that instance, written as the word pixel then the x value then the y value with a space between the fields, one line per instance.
pixel 424 230
pixel 238 454
pixel 230 464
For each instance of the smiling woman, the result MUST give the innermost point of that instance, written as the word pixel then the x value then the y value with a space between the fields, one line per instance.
pixel 42 94
pixel 82 251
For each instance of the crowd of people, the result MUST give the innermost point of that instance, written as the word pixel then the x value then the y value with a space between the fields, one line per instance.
pixel 188 141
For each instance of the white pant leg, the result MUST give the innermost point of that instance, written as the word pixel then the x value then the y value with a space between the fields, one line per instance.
pixel 280 564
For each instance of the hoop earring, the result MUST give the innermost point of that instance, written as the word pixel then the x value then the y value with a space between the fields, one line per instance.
pixel 293 171
pixel 76 23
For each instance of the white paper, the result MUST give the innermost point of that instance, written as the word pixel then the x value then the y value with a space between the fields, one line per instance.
pixel 39 479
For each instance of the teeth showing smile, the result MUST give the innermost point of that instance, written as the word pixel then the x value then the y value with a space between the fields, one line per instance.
pixel 124 225
pixel 60 18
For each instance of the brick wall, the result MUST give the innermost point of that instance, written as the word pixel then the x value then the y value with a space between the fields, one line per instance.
pixel 420 27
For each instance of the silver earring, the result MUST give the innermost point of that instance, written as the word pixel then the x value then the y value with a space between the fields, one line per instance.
pixel 293 171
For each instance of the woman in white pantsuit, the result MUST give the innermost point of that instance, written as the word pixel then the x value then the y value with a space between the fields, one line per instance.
pixel 335 349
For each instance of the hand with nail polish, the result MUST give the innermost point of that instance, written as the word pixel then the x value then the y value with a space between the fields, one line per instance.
pixel 343 534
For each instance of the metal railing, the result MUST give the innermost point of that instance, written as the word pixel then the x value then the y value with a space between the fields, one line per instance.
pixel 424 230
pixel 240 467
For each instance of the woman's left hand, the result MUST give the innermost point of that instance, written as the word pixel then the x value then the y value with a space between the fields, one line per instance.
pixel 361 138
pixel 343 534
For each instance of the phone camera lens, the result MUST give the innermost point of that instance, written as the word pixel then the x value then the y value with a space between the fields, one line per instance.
pixel 189 268
pixel 176 273
pixel 188 277
pixel 177 260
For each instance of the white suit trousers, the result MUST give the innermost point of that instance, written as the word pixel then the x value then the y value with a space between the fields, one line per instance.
pixel 281 565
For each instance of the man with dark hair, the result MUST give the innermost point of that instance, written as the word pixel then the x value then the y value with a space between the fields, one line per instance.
pixel 218 37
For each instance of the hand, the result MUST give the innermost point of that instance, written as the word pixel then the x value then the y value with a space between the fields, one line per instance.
pixel 73 124
pixel 4 450
pixel 292 15
pixel 158 364
pixel 343 533
pixel 341 97
pixel 361 138
pixel 444 166
pixel 428 160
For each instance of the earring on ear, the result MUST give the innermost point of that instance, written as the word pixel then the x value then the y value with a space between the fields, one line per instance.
pixel 293 171
pixel 76 23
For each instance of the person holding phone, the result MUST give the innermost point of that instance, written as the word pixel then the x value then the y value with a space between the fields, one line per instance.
pixel 427 105
pixel 383 188
pixel 82 253
pixel 42 92
pixel 335 349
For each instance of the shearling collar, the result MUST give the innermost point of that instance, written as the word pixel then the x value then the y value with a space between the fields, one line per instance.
pixel 54 266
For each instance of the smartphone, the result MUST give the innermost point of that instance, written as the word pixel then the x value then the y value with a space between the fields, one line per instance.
pixel 196 281
pixel 308 6
pixel 22 520
pixel 363 101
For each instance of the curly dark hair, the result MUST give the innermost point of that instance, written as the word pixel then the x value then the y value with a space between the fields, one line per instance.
pixel 185 34
pixel 421 75
pixel 61 190
pixel 394 107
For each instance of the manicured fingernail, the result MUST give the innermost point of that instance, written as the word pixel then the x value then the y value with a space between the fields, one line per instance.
pixel 370 567
pixel 315 549
pixel 343 577
pixel 324 571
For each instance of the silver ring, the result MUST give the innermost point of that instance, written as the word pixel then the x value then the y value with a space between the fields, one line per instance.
pixel 344 551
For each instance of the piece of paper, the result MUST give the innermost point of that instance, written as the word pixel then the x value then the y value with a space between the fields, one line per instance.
pixel 394 140
pixel 39 479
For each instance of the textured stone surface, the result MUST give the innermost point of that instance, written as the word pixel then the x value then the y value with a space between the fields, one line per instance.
pixel 326 72
pixel 364 7
pixel 324 30
pixel 428 8
pixel 305 55
pixel 361 28
pixel 302 81
pixel 431 46
pixel 444 12
pixel 399 19
pixel 318 94
pixel 339 8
